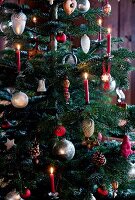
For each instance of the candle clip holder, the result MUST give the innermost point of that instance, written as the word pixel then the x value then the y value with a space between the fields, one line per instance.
pixel 53 195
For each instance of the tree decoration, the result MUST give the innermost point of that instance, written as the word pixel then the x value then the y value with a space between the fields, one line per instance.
pixel 85 43
pixel 26 194
pixel 70 58
pixel 92 197
pixel 1 2
pixel 126 147
pixel 83 6
pixel 41 86
pixel 18 22
pixel 98 159
pixel 61 37
pixel 109 86
pixel 64 149
pixel 10 143
pixel 115 186
pixel 107 8
pixel 88 128
pixel 66 84
pixel 35 151
pixel 59 130
pixel 131 172
pixel 6 124
pixel 4 183
pixel 69 6
pixel 14 195
pixel 86 88
pixel 120 98
pixel 19 100
pixel 35 51
pixel 102 191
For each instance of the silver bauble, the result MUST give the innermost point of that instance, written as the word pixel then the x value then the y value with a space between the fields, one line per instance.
pixel 18 22
pixel 112 85
pixel 83 6
pixel 19 100
pixel 64 149
pixel 70 59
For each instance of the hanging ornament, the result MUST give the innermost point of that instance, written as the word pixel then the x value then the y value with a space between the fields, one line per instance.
pixel 126 147
pixel 61 37
pixel 110 86
pixel 131 172
pixel 35 51
pixel 35 152
pixel 6 124
pixel 107 8
pixel 70 58
pixel 19 100
pixel 83 6
pixel 51 2
pixel 59 130
pixel 10 143
pixel 14 195
pixel 69 6
pixel 64 149
pixel 88 130
pixel 121 98
pixel 85 43
pixel 4 26
pixel 102 191
pixel 1 2
pixel 98 159
pixel 66 84
pixel 18 22
pixel 115 186
pixel 91 197
pixel 41 86
pixel 26 194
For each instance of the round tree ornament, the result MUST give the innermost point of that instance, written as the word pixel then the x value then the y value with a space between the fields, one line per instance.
pixel 61 37
pixel 83 6
pixel 26 194
pixel 18 22
pixel 107 8
pixel 110 85
pixel 64 149
pixel 19 100
pixel 59 130
pixel 85 43
pixel 69 6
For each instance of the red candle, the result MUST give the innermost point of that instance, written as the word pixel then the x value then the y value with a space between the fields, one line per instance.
pixel 100 34
pixel 109 42
pixel 52 180
pixel 86 88
pixel 18 60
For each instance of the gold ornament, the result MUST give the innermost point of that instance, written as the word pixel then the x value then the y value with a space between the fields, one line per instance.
pixel 88 127
pixel 19 100
pixel 69 6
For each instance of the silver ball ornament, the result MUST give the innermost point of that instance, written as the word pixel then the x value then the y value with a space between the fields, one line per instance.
pixel 83 6
pixel 19 100
pixel 112 86
pixel 64 149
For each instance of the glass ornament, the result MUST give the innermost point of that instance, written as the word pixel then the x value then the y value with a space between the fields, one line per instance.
pixel 88 127
pixel 70 58
pixel 18 22
pixel 85 43
pixel 107 9
pixel 112 85
pixel 83 6
pixel 19 100
pixel 64 149
pixel 69 6
pixel 41 86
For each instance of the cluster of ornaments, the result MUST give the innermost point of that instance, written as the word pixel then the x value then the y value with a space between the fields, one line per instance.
pixel 82 6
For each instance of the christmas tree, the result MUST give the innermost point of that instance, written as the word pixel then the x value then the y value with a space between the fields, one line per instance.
pixel 60 134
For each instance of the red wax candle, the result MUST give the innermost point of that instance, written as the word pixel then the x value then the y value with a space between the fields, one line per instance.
pixel 86 88
pixel 109 42
pixel 52 180
pixel 100 34
pixel 18 59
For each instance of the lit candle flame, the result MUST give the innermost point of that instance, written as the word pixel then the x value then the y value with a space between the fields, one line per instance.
pixel 100 22
pixel 18 46
pixel 34 19
pixel 85 75
pixel 51 170
pixel 109 30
